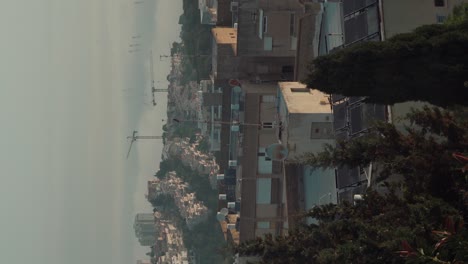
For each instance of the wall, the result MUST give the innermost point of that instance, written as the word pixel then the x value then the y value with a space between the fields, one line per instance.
pixel 404 15
pixel 299 133
pixel 278 23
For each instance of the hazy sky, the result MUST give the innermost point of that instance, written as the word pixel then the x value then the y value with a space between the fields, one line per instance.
pixel 70 92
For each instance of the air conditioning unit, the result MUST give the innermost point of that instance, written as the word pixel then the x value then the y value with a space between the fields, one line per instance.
pixel 231 205
pixel 222 197
pixel 234 6
pixel 231 226
pixel 232 163
pixel 220 177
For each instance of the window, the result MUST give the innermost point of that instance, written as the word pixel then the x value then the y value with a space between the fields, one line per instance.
pixel 439 3
pixel 321 130
pixel 268 43
pixel 265 164
pixel 263 191
pixel 263 225
pixel 262 28
pixel 268 98
pixel 287 69
pixel 292 25
pixel 265 27
pixel 267 124
pixel 441 19
pixel 300 90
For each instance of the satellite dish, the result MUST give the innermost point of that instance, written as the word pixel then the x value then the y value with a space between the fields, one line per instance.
pixel 220 217
pixel 277 152
pixel 224 211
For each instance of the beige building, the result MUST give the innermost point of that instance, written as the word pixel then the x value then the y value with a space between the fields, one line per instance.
pixel 306 119
pixel 306 124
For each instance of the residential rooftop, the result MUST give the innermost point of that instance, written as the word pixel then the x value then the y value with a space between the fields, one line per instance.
pixel 225 35
pixel 302 100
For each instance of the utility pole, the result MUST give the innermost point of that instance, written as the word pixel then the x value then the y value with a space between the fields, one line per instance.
pixel 134 138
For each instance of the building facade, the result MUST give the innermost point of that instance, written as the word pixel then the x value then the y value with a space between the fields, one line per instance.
pixel 306 126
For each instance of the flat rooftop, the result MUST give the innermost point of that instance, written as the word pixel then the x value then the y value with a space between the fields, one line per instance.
pixel 225 35
pixel 301 100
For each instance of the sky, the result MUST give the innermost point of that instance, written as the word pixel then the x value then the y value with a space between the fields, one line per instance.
pixel 70 93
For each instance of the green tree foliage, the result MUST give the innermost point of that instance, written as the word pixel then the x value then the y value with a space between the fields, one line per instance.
pixel 377 230
pixel 429 64
pixel 206 237
pixel 199 184
pixel 460 14
pixel 418 220
pixel 204 145
pixel 196 43
pixel 423 154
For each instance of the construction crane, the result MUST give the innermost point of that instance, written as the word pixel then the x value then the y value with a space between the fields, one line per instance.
pixel 134 138
pixel 153 88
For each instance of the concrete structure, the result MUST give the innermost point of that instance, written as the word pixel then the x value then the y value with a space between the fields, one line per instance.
pixel 208 12
pixel 308 34
pixel 306 125
pixel 145 229
pixel 259 181
pixel 268 28
pixel 210 112
pixel 216 12
pixel 228 64
pixel 306 119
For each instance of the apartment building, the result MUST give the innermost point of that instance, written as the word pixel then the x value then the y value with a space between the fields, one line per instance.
pixel 258 180
pixel 306 125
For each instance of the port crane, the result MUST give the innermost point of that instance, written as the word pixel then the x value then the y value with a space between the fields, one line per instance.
pixel 134 138
pixel 153 87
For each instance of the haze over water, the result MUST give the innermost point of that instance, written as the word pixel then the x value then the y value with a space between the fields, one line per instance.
pixel 70 93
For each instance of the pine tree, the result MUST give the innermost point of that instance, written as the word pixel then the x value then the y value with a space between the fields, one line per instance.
pixel 429 64
pixel 407 223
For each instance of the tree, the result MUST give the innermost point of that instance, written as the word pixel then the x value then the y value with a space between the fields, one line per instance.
pixel 459 14
pixel 373 231
pixel 418 220
pixel 423 154
pixel 429 64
